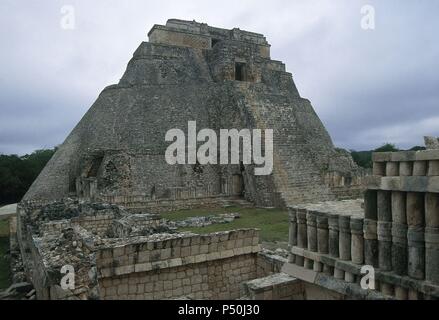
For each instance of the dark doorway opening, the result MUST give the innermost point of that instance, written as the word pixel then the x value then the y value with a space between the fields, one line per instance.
pixel 239 71
pixel 96 164
pixel 237 185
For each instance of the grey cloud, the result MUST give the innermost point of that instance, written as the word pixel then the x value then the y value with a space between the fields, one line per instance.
pixel 368 87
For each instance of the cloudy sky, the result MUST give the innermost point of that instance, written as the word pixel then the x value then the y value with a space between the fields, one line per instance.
pixel 367 86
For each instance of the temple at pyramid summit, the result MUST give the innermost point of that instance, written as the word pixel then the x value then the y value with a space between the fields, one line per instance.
pixel 189 71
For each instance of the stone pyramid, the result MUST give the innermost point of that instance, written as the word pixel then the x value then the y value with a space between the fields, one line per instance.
pixel 189 71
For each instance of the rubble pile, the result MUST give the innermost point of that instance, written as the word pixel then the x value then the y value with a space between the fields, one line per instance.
pixel 67 209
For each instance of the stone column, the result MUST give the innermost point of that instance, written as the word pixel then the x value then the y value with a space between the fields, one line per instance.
pixel 312 239
pixel 432 237
pixel 345 237
pixel 292 241
pixel 345 243
pixel 392 169
pixel 433 168
pixel 370 228
pixel 415 235
pixel 384 230
pixel 420 168
pixel 406 168
pixel 333 245
pixel 357 242
pixel 379 169
pixel 323 238
pixel 399 233
pixel 311 232
pixel 301 235
pixel 322 233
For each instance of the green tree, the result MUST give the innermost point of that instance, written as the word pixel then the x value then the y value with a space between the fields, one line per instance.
pixel 387 147
pixel 417 148
pixel 18 173
pixel 362 158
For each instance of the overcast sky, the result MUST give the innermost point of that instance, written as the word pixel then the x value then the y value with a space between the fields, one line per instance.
pixel 367 86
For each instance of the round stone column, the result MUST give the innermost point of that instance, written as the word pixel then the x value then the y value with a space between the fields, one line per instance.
pixel 345 243
pixel 302 241
pixel 322 233
pixel 392 169
pixel 345 238
pixel 415 235
pixel 323 238
pixel 399 233
pixel 292 241
pixel 357 242
pixel 333 243
pixel 370 228
pixel 379 169
pixel 384 230
pixel 433 168
pixel 311 220
pixel 432 237
pixel 420 168
pixel 406 168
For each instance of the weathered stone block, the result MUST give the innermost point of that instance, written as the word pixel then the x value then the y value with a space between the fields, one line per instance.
pixel 200 258
pixel 185 252
pixel 142 267
pixel 122 289
pixel 188 260
pixel 124 270
pixel 118 251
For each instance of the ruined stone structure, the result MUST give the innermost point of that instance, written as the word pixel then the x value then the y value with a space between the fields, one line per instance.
pixel 397 232
pixel 118 255
pixel 115 254
pixel 221 79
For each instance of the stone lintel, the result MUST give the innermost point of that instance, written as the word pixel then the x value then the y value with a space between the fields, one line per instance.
pixel 404 183
pixel 8 211
pixel 422 155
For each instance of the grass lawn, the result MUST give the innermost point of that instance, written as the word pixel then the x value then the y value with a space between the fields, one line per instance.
pixel 4 247
pixel 272 222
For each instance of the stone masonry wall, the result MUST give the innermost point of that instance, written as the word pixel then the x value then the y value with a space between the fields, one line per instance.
pixel 97 224
pixel 200 266
pixel 218 279
pixel 168 205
